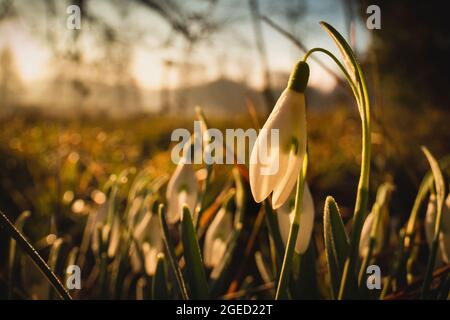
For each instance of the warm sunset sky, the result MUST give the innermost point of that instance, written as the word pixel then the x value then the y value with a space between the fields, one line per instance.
pixel 224 56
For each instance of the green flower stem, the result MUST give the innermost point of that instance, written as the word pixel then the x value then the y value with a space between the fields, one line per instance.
pixel 274 232
pixel 361 200
pixel 32 253
pixel 339 64
pixel 349 277
pixel 282 289
pixel 12 258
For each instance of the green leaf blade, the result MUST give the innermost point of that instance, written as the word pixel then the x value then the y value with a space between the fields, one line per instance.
pixel 171 252
pixel 159 285
pixel 336 243
pixel 440 197
pixel 191 251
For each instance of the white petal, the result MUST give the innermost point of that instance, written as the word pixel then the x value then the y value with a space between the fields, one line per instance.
pixel 365 236
pixel 218 251
pixel 284 223
pixel 153 233
pixel 183 179
pixel 285 186
pixel 220 229
pixel 150 258
pixel 430 219
pixel 115 238
pixel 173 209
pixel 286 216
pixel 191 201
pixel 134 209
pixel 306 222
pixel 135 260
pixel 141 226
pixel 262 184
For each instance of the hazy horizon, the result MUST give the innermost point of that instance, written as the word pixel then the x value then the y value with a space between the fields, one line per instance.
pixel 147 55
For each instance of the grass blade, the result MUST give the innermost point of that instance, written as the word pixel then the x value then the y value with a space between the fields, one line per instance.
pixel 440 197
pixel 171 252
pixel 12 258
pixel 159 288
pixel 336 243
pixel 32 253
pixel 191 251
pixel 54 260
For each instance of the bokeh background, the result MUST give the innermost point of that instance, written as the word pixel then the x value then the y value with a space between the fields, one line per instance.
pixel 77 106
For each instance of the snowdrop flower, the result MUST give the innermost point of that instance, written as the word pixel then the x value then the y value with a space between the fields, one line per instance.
pixel 150 258
pixel 110 234
pixel 181 190
pixel 430 221
pixel 380 207
pixel 285 217
pixel 217 237
pixel 148 236
pixel 366 232
pixel 274 165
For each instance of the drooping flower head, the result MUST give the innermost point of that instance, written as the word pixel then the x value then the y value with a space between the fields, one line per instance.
pixel 366 233
pixel 217 237
pixel 378 218
pixel 277 155
pixel 149 238
pixel 219 233
pixel 182 189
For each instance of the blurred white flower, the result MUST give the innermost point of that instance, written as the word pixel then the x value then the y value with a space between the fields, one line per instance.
pixel 181 190
pixel 430 221
pixel 275 163
pixel 285 217
pixel 365 236
pixel 380 207
pixel 115 237
pixel 148 236
pixel 217 237
pixel 150 254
